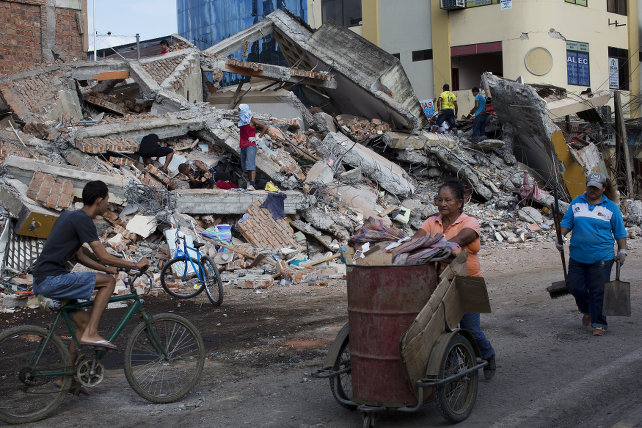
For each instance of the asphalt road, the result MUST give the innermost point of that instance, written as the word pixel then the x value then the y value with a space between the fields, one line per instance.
pixel 262 348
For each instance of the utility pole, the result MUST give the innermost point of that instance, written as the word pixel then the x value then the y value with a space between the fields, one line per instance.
pixel 138 46
pixel 94 13
pixel 621 144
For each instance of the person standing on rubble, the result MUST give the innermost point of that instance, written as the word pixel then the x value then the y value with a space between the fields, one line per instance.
pixel 447 107
pixel 149 148
pixel 52 279
pixel 595 220
pixel 479 110
pixel 463 230
pixel 248 125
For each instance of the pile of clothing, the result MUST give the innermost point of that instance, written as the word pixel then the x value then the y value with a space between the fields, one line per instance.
pixel 376 239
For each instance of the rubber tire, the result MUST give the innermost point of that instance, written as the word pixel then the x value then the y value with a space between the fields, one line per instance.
pixel 12 359
pixel 213 287
pixel 193 377
pixel 167 270
pixel 336 385
pixel 458 344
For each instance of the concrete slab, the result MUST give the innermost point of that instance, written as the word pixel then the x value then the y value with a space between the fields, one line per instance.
pixel 389 175
pixel 218 201
pixel 23 169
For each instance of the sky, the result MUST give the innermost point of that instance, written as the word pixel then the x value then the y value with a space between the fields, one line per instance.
pixel 125 18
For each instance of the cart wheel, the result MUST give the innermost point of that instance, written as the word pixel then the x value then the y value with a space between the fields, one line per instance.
pixel 456 399
pixel 368 420
pixel 341 385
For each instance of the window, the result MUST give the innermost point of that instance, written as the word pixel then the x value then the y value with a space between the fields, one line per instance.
pixel 578 2
pixel 398 56
pixel 577 63
pixel 346 13
pixel 618 69
pixel 423 55
pixel 616 6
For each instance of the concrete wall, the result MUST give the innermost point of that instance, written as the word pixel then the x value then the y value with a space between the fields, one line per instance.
pixel 536 17
pixel 32 31
pixel 403 30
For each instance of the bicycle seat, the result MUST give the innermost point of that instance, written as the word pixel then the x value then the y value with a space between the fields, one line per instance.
pixel 198 245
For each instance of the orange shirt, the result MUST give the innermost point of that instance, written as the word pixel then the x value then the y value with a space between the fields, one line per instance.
pixel 434 225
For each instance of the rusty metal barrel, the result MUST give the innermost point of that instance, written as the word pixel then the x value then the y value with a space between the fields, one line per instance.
pixel 382 303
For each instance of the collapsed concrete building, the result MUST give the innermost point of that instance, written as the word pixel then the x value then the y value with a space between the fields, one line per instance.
pixel 359 150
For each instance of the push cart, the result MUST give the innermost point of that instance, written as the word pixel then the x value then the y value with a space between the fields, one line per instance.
pixel 401 347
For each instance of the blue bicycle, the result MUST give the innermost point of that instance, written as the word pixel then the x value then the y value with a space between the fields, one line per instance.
pixel 185 276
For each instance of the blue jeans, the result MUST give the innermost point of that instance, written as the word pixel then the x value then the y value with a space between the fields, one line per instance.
pixel 471 322
pixel 586 284
pixel 447 115
pixel 248 158
pixel 479 125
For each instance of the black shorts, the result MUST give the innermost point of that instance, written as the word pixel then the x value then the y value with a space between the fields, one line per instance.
pixel 153 152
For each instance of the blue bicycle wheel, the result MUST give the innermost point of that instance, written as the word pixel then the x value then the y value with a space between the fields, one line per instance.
pixel 180 280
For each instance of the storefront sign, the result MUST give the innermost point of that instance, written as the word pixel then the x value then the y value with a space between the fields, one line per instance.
pixel 614 73
pixel 506 4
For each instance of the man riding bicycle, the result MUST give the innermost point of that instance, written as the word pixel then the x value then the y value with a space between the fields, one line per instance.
pixel 51 278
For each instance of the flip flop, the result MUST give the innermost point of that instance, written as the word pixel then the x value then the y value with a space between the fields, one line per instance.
pixel 101 344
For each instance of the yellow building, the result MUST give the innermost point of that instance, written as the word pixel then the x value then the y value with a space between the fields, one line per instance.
pixel 574 44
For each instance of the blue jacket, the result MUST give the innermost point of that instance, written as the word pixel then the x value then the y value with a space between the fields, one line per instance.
pixel 594 227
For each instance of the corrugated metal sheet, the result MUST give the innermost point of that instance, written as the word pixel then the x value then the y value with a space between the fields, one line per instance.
pixel 207 22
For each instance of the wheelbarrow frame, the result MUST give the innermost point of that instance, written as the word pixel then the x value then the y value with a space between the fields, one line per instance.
pixel 433 377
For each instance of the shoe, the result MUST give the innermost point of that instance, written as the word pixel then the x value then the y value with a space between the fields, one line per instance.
pixel 586 320
pixel 490 368
pixel 599 331
pixel 250 187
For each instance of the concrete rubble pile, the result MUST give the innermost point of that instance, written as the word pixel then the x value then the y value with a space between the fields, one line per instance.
pixel 366 155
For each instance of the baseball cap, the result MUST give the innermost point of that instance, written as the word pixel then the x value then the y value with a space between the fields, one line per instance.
pixel 595 179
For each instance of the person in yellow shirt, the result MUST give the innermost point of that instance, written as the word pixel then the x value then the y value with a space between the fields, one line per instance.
pixel 447 107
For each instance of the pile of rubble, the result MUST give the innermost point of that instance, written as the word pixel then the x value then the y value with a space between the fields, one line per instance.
pixel 69 124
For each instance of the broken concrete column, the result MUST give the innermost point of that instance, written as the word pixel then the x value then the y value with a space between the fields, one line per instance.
pixel 389 175
pixel 524 115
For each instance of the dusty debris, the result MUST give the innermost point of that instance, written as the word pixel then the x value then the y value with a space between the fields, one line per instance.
pixel 366 154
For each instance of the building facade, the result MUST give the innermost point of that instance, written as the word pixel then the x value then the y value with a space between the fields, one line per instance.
pixel 33 32
pixel 574 44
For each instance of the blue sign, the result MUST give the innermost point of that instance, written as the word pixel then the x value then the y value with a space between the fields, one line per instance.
pixel 578 68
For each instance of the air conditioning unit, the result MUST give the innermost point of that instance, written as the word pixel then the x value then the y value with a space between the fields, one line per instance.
pixel 453 4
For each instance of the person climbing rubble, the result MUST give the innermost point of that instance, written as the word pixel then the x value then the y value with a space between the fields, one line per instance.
pixel 149 148
pixel 447 107
pixel 248 125
pixel 198 174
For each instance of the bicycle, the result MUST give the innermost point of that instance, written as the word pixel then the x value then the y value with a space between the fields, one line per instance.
pixel 183 277
pixel 164 359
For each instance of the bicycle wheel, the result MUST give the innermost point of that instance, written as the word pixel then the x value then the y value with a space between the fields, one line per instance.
pixel 27 393
pixel 179 279
pixel 213 284
pixel 166 374
pixel 341 385
pixel 456 399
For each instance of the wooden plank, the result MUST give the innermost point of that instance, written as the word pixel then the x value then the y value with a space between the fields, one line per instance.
pixel 111 75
